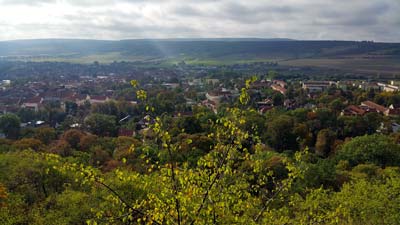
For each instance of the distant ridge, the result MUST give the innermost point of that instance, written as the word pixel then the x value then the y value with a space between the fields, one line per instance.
pixel 220 39
pixel 192 49
pixel 150 39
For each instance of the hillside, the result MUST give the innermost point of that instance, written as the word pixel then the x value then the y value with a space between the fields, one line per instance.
pixel 195 48
pixel 364 57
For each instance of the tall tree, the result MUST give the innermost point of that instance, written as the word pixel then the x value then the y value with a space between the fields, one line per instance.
pixel 280 132
pixel 102 125
pixel 325 142
pixel 10 125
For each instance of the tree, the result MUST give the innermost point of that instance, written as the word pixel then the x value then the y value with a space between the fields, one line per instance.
pixel 336 105
pixel 62 148
pixel 189 124
pixel 280 133
pixel 28 143
pixel 278 99
pixel 255 123
pixel 326 118
pixel 373 121
pixel 325 142
pixel 272 74
pixel 34 189
pixel 300 114
pixel 26 115
pixel 45 134
pixel 86 142
pixel 73 137
pixel 102 125
pixel 124 146
pixel 358 202
pixel 10 125
pixel 3 195
pixel 352 126
pixel 377 149
pixel 303 134
pixel 107 108
pixel 71 108
pixel 322 172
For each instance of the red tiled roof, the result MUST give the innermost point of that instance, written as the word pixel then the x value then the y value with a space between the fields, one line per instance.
pixel 373 105
pixel 278 88
pixel 98 98
pixel 280 82
pixel 34 100
pixel 355 110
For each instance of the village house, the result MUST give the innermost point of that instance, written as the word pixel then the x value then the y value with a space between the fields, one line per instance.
pixel 33 103
pixel 220 95
pixel 212 81
pixel 369 86
pixel 260 84
pixel 265 102
pixel 289 104
pixel 280 83
pixel 279 88
pixel 98 99
pixel 372 106
pixel 388 87
pixel 391 88
pixel 195 82
pixel 317 86
pixel 353 110
pixel 80 99
pixel 215 97
pixel 210 104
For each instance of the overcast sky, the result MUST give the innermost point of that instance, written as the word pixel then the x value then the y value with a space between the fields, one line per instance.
pixel 377 20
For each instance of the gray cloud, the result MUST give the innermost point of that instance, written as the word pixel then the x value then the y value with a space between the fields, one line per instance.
pixel 122 19
pixel 26 2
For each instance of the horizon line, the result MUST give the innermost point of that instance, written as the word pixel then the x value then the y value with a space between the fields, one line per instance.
pixel 190 39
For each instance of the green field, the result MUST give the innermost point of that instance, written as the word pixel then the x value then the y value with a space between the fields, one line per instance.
pixel 87 59
pixel 362 65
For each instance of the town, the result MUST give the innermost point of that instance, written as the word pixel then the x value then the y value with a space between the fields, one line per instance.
pixel 64 102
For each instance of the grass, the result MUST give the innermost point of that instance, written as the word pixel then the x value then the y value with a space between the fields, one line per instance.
pixel 229 60
pixel 357 64
pixel 354 63
pixel 102 58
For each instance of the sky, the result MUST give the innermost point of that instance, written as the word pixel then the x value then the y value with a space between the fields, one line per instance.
pixel 377 20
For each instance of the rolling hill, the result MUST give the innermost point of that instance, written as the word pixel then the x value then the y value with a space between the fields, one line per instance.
pixel 227 50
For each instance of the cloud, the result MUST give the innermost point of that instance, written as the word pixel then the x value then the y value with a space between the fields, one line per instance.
pixel 123 19
pixel 26 2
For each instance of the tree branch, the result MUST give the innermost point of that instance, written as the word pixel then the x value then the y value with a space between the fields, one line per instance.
pixel 123 200
pixel 217 176
pixel 175 186
pixel 267 203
